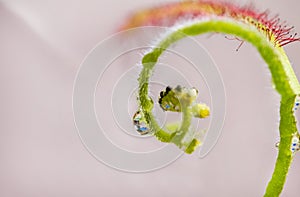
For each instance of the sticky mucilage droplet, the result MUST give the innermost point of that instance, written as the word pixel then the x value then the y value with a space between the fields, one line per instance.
pixel 140 123
pixel 297 103
pixel 172 98
pixel 295 144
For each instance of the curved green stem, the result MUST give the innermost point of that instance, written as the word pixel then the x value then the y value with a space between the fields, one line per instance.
pixel 283 77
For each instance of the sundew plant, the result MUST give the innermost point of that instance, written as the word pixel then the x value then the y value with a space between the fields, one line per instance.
pixel 263 30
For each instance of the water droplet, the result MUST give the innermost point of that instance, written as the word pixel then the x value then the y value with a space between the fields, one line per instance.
pixel 295 140
pixel 295 145
pixel 137 117
pixel 140 123
pixel 297 103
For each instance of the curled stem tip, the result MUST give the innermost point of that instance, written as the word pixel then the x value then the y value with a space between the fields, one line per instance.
pixel 266 33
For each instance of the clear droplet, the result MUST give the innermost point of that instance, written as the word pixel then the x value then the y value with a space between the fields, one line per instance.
pixel 143 130
pixel 137 118
pixel 297 103
pixel 140 123
pixel 295 145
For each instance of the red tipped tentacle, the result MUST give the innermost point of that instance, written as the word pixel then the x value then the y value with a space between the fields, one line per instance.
pixel 167 15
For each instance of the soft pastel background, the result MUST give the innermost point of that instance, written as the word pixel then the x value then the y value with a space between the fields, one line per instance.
pixel 42 46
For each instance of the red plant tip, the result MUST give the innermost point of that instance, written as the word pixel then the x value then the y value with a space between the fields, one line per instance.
pixel 167 15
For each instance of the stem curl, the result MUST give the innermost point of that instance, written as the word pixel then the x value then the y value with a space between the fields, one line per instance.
pixel 266 34
pixel 283 77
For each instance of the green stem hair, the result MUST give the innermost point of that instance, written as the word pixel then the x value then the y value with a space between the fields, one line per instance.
pixel 283 77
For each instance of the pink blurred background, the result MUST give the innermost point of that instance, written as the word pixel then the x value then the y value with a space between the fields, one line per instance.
pixel 42 46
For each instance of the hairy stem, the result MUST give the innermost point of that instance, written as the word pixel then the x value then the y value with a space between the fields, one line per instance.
pixel 283 77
